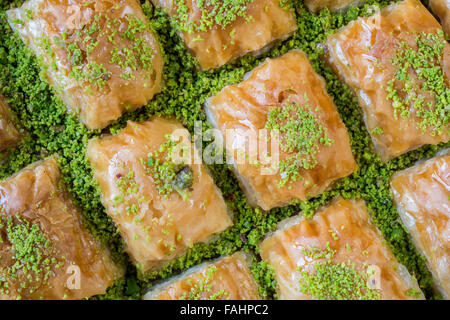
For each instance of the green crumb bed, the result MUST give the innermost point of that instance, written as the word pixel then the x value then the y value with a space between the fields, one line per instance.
pixel 50 130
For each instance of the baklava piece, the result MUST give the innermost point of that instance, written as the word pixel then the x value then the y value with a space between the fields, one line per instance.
pixel 161 201
pixel 219 31
pixel 45 252
pixel 422 196
pixel 442 9
pixel 229 278
pixel 338 255
pixel 101 56
pixel 333 5
pixel 9 136
pixel 284 103
pixel 398 64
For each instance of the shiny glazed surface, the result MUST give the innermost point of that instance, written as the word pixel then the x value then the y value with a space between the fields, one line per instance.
pixel 96 105
pixel 361 54
pixel 35 193
pixel 442 9
pixel 422 196
pixel 244 107
pixel 9 135
pixel 333 5
pixel 229 278
pixel 162 227
pixel 219 45
pixel 347 221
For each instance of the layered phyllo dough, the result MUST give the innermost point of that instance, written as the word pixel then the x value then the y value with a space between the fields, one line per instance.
pixel 228 278
pixel 398 63
pixel 219 31
pixel 101 56
pixel 45 252
pixel 442 9
pixel 9 135
pixel 161 201
pixel 422 196
pixel 338 254
pixel 282 132
pixel 333 5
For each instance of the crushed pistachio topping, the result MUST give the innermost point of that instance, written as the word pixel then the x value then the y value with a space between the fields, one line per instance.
pixel 33 254
pixel 424 62
pixel 219 13
pixel 168 175
pixel 413 293
pixel 128 187
pixel 316 253
pixel 202 289
pixel 301 135
pixel 377 131
pixel 131 51
pixel 129 199
pixel 39 111
pixel 335 281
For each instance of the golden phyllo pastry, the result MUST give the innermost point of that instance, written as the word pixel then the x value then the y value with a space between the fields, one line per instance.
pixel 228 278
pixel 422 196
pixel 9 136
pixel 45 252
pixel 442 9
pixel 398 63
pixel 282 132
pixel 217 31
pixel 338 255
pixel 333 5
pixel 161 201
pixel 101 56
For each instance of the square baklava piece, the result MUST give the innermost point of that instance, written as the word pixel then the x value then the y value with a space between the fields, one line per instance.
pixel 398 64
pixel 333 5
pixel 422 196
pixel 45 251
pixel 161 201
pixel 101 56
pixel 337 255
pixel 228 278
pixel 283 134
pixel 219 31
